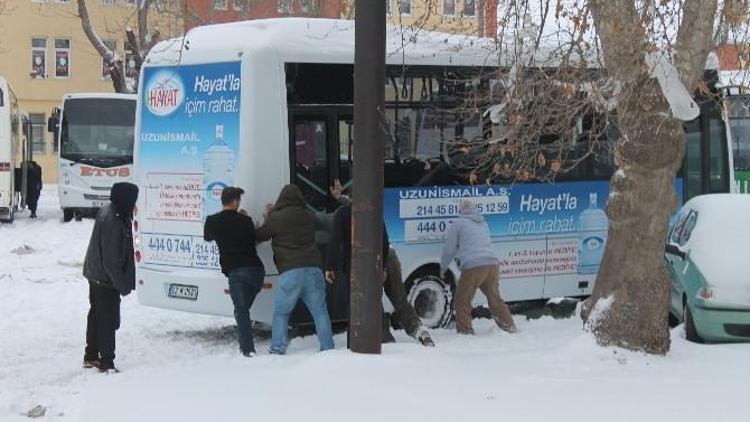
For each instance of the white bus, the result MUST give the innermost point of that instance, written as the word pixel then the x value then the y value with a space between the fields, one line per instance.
pixel 13 151
pixel 95 135
pixel 264 103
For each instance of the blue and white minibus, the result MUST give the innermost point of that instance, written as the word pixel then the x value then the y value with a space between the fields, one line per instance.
pixel 264 103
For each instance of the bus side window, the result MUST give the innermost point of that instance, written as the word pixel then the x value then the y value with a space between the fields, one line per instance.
pixel 310 156
pixel 718 173
pixel 693 171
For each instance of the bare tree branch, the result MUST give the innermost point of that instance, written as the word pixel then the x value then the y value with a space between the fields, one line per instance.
pixel 695 40
pixel 111 61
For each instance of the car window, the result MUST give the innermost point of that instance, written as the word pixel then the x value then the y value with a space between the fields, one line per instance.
pixel 677 230
pixel 688 227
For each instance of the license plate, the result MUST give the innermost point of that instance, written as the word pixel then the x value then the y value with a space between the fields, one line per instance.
pixel 99 204
pixel 182 291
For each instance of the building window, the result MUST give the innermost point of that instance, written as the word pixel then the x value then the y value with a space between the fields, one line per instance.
pixel 284 6
pixel 404 7
pixel 449 7
pixel 112 46
pixel 62 58
pixel 240 5
pixel 307 6
pixel 220 4
pixel 38 127
pixel 39 58
pixel 131 72
pixel 470 7
pixel 108 2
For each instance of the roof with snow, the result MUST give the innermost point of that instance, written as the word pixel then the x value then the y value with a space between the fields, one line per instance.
pixel 720 242
pixel 323 41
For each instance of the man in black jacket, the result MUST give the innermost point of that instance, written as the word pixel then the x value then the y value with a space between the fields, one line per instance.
pixel 234 233
pixel 110 270
pixel 338 260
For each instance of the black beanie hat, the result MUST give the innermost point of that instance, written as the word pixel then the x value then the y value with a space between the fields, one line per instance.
pixel 123 197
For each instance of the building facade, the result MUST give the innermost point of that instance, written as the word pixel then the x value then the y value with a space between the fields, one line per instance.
pixel 203 12
pixel 45 54
pixel 470 17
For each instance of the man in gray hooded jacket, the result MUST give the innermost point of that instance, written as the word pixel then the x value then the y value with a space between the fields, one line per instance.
pixel 468 241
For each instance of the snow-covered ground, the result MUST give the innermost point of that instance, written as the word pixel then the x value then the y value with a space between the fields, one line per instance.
pixel 184 367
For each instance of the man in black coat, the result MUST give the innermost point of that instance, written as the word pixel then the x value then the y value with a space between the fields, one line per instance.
pixel 338 261
pixel 33 186
pixel 110 270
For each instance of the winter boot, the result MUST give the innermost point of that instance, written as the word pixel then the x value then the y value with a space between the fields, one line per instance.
pixel 88 364
pixel 425 338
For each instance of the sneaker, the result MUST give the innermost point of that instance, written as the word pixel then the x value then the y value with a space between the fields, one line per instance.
pixel 275 351
pixel 425 338
pixel 109 371
pixel 510 329
pixel 88 364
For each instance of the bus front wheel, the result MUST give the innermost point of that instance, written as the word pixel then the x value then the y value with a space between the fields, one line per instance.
pixel 431 297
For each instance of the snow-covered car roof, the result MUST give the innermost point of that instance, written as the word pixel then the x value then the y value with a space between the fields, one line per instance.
pixel 720 242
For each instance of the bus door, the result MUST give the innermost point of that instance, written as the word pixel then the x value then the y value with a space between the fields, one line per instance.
pixel 706 166
pixel 317 161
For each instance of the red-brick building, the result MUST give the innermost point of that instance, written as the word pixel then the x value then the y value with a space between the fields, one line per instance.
pixel 202 12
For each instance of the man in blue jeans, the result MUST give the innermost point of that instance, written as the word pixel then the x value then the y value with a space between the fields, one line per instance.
pixel 234 233
pixel 291 229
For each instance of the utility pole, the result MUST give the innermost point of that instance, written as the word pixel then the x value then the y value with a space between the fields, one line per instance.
pixel 365 323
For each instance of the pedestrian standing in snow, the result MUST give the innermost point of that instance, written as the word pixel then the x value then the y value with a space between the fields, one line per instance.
pixel 468 241
pixel 338 261
pixel 291 229
pixel 110 270
pixel 33 185
pixel 234 233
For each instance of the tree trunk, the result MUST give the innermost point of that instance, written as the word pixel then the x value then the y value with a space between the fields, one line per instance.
pixel 481 18
pixel 641 201
pixel 633 275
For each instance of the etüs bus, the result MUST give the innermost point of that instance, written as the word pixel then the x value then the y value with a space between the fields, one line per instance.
pixel 14 149
pixel 272 103
pixel 95 134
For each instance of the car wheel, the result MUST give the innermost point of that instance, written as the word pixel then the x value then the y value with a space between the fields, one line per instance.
pixel 690 332
pixel 431 297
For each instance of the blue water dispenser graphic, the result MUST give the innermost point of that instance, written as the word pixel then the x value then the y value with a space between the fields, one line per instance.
pixel 593 229
pixel 218 170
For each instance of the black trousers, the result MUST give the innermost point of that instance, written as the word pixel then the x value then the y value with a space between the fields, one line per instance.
pixel 32 199
pixel 103 320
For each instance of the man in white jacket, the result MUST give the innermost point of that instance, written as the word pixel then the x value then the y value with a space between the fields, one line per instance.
pixel 468 241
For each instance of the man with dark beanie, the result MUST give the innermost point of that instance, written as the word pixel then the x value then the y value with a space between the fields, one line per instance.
pixel 110 270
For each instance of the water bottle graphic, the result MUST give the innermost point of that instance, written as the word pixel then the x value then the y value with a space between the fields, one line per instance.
pixel 218 169
pixel 593 229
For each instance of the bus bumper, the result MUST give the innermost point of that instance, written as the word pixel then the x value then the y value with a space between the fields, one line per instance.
pixel 197 291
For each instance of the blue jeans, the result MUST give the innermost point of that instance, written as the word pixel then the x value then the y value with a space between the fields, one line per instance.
pixel 244 284
pixel 308 284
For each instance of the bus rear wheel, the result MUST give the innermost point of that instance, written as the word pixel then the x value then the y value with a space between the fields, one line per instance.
pixel 431 297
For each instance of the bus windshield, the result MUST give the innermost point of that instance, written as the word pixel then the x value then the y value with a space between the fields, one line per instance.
pixel 98 129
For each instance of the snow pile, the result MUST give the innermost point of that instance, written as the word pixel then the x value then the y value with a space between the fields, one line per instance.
pixel 185 367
